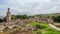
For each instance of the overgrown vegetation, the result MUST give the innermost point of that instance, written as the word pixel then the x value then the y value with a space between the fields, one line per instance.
pixel 22 16
pixel 57 19
pixel 46 30
pixel 3 20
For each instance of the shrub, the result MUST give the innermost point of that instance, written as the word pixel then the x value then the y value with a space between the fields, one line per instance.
pixel 39 27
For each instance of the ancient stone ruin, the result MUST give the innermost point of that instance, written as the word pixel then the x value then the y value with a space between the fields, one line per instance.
pixel 15 26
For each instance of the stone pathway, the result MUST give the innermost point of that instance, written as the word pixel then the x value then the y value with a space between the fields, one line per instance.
pixel 53 26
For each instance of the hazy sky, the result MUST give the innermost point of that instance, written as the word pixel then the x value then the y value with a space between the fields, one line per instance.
pixel 30 7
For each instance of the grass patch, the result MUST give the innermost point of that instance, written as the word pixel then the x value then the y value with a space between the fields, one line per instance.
pixel 47 29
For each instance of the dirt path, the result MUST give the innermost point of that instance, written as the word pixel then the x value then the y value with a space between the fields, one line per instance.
pixel 53 26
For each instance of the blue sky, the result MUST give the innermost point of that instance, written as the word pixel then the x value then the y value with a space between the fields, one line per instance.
pixel 30 7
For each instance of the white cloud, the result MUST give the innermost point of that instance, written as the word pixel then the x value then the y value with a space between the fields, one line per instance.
pixel 31 6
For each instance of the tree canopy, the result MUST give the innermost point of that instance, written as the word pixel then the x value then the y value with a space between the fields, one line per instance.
pixel 22 16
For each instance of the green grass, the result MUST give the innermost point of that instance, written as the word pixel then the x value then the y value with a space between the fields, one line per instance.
pixel 46 30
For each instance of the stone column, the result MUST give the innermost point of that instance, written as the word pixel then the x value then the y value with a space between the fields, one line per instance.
pixel 8 16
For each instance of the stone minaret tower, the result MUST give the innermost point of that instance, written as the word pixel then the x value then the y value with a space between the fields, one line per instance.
pixel 8 16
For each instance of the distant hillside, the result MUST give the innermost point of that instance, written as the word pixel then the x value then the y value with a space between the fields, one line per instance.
pixel 53 14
